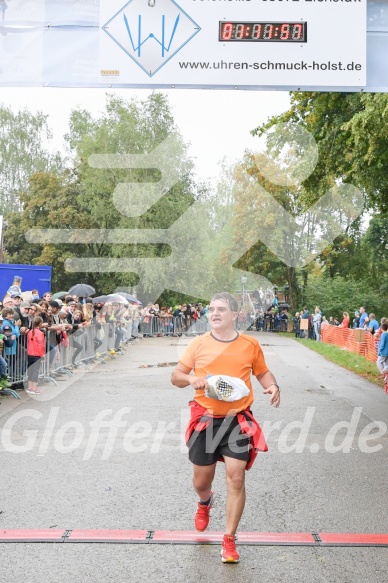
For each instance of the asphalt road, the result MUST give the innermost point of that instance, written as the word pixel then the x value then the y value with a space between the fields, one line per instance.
pixel 106 451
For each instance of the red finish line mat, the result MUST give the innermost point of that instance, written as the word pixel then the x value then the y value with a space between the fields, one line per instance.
pixel 191 537
pixel 245 538
pixel 335 539
pixel 48 535
pixel 106 536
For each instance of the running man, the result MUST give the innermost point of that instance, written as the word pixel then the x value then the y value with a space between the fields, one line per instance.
pixel 222 430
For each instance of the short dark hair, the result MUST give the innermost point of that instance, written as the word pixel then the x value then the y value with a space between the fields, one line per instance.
pixel 228 299
pixel 384 326
pixel 6 311
pixel 54 304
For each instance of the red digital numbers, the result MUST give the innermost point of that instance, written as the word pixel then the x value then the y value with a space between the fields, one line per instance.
pixel 227 31
pixel 297 32
pixel 263 31
pixel 256 32
pixel 285 32
pixel 268 31
pixel 240 30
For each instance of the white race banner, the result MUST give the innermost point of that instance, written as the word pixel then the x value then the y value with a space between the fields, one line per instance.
pixel 233 42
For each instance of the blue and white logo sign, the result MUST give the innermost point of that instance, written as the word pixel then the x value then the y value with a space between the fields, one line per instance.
pixel 151 32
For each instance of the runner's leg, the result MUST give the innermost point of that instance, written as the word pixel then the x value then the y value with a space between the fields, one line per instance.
pixel 203 479
pixel 235 501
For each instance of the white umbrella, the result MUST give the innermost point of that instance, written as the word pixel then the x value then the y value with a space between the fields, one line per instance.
pixel 116 299
pixel 27 296
pixel 131 299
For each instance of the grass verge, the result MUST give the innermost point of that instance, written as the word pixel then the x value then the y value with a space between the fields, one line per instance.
pixel 349 360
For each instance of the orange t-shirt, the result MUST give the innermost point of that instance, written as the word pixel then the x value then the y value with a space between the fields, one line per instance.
pixel 237 358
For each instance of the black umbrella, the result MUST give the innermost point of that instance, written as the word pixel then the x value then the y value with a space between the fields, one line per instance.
pixel 82 290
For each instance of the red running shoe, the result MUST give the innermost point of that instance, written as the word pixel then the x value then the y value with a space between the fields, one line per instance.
pixel 229 553
pixel 202 516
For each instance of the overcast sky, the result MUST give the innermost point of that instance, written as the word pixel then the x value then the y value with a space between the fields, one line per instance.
pixel 216 122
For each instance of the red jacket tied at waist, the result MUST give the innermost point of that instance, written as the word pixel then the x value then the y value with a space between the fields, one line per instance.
pixel 200 419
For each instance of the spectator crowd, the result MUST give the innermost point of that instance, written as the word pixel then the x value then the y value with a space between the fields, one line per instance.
pixel 26 324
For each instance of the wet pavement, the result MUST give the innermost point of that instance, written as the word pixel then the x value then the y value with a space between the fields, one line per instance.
pixel 105 450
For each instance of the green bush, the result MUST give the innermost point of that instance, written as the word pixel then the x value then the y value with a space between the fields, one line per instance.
pixel 338 295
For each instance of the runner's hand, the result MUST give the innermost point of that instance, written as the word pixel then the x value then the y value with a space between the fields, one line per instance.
pixel 198 382
pixel 273 390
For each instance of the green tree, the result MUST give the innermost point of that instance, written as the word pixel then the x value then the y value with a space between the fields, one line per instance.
pixel 255 218
pixel 339 294
pixel 273 212
pixel 351 132
pixel 24 149
pixel 83 198
pixel 50 202
pixel 130 127
pixel 376 249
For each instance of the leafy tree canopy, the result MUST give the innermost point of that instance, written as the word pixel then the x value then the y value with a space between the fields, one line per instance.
pixel 24 140
pixel 351 131
pixel 83 197
pixel 340 294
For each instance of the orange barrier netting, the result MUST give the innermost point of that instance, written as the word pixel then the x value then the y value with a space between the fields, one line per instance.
pixel 358 341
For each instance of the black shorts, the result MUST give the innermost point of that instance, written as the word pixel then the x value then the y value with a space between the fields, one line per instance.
pixel 222 437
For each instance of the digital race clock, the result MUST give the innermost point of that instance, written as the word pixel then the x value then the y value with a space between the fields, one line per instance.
pixel 295 32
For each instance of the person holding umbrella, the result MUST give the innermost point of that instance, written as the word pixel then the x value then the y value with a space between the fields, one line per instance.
pixel 82 290
pixel 59 296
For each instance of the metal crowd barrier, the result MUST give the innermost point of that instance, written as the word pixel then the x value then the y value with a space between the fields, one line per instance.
pixel 269 324
pixel 16 365
pixel 178 325
pixel 283 325
pixel 202 326
pixel 152 326
pixel 95 342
